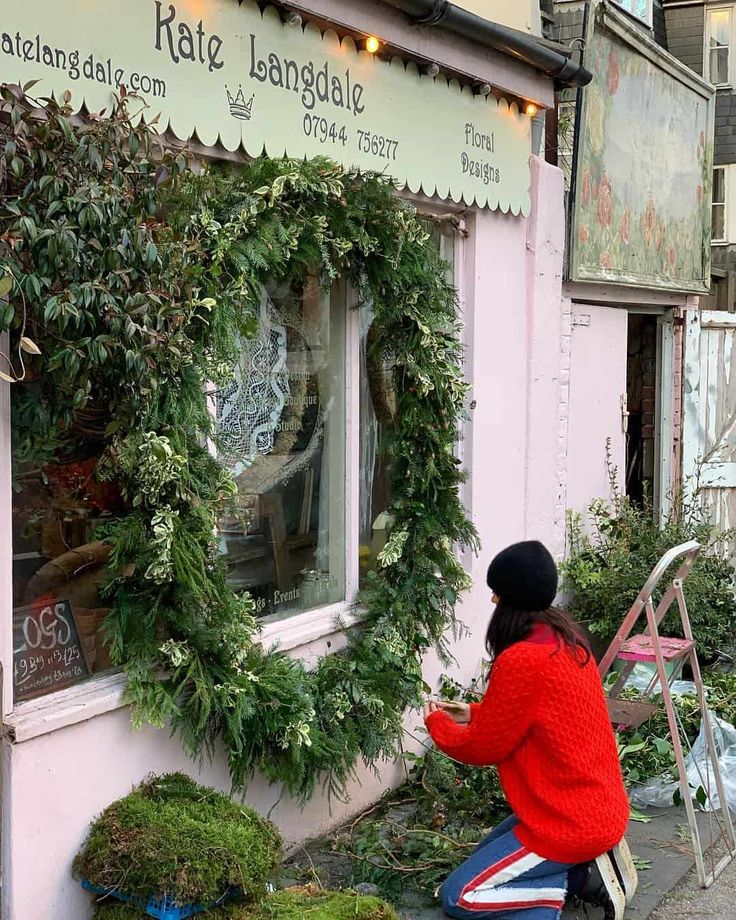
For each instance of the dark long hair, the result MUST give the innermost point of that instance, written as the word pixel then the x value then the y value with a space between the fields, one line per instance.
pixel 509 626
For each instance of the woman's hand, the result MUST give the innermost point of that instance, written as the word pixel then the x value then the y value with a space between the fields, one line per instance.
pixel 460 712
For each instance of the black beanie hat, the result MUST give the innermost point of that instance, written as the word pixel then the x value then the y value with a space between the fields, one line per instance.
pixel 524 576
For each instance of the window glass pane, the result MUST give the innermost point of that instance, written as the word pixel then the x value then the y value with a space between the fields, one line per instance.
pixel 719 186
pixel 281 426
pixel 719 66
pixel 642 9
pixel 720 27
pixel 718 229
pixel 58 560
pixel 719 31
pixel 377 407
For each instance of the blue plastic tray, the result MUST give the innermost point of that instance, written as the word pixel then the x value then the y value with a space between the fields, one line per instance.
pixel 162 908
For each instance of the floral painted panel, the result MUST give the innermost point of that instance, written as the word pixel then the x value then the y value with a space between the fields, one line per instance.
pixel 641 213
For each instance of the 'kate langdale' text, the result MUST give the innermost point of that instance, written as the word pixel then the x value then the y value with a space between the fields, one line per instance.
pixel 313 85
pixel 187 43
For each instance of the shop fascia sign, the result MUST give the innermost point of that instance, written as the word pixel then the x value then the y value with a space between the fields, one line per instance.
pixel 228 73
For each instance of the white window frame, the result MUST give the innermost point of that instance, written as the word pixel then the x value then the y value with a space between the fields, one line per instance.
pixel 717 241
pixel 719 8
pixel 105 692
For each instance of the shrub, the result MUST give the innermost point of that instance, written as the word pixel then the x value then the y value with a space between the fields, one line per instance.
pixel 612 553
pixel 292 904
pixel 172 836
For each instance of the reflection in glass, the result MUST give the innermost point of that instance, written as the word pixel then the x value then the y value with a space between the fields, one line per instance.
pixel 281 431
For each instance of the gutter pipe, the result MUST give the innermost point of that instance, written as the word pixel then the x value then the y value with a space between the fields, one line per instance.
pixel 519 45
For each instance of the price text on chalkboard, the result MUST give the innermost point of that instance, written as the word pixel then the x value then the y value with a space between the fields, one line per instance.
pixel 47 652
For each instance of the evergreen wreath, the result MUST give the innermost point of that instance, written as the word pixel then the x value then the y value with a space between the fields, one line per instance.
pixel 128 278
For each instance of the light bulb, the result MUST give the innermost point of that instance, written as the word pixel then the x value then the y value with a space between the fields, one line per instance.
pixel 293 19
pixel 531 109
pixel 372 44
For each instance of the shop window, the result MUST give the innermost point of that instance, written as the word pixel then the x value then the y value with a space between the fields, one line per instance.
pixel 58 559
pixel 718 40
pixel 281 426
pixel 718 221
pixel 283 431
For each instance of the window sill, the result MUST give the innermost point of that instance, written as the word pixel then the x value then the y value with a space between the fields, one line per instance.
pixel 46 714
pixel 296 631
pixel 33 718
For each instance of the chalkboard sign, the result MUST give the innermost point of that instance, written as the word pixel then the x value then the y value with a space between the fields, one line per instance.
pixel 47 651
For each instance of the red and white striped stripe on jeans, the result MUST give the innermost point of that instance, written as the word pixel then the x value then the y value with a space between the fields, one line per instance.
pixel 504 879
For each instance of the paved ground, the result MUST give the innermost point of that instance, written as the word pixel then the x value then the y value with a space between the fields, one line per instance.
pixel 690 901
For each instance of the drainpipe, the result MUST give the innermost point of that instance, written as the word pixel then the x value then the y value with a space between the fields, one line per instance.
pixel 519 45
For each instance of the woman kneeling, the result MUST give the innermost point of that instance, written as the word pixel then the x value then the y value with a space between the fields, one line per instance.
pixel 544 723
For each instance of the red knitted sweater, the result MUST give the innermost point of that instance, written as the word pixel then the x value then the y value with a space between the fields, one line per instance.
pixel 544 723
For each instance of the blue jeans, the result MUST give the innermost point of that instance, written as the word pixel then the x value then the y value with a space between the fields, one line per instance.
pixel 503 879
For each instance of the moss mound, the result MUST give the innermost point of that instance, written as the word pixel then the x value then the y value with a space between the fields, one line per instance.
pixel 173 836
pixel 292 904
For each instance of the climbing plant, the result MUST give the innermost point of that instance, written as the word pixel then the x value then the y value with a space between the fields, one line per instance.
pixel 129 279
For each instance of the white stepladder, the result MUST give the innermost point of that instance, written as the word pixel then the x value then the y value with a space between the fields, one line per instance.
pixel 663 651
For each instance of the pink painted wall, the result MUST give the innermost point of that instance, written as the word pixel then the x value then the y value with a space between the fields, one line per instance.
pixel 597 383
pixel 55 784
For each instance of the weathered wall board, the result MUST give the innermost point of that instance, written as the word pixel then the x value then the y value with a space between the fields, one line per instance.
pixel 641 209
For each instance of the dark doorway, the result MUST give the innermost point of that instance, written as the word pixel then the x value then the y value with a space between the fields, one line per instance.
pixel 641 395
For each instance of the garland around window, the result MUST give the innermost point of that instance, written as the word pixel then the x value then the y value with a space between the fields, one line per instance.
pixel 129 278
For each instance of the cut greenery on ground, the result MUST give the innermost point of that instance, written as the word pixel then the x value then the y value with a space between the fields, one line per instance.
pixel 173 837
pixel 409 842
pixel 293 904
pixel 647 751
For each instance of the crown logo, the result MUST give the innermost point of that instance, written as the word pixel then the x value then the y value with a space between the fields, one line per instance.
pixel 239 108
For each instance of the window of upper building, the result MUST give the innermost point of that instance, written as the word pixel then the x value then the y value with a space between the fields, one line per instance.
pixel 718 43
pixel 641 9
pixel 718 222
